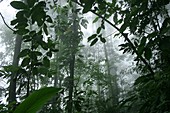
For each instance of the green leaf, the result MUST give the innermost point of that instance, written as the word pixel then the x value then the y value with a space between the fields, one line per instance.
pixel 142 45
pixel 115 18
pixel 25 62
pixel 84 23
pixel 96 19
pixel 98 30
pixel 49 53
pixel 35 71
pixel 33 56
pixel 148 53
pixel 31 2
pixel 92 37
pixel 94 41
pixel 102 39
pixel 24 53
pixel 37 53
pixel 142 79
pixel 15 21
pixel 45 29
pixel 49 19
pixel 18 5
pixel 123 27
pixel 46 62
pixel 143 41
pixel 36 100
pixel 88 5
pixel 140 50
pixel 54 50
pixel 43 44
pixel 22 31
pixel 11 68
pixel 43 70
pixel 38 16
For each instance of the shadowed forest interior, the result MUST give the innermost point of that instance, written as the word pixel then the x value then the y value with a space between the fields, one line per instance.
pixel 85 56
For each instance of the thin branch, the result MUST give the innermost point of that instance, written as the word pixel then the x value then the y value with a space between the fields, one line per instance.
pixel 5 22
pixel 125 35
pixel 110 34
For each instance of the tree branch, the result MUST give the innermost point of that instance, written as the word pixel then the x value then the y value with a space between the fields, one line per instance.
pixel 5 22
pixel 125 35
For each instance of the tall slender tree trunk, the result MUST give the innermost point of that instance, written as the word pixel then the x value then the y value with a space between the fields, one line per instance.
pixel 13 79
pixel 108 72
pixel 113 86
pixel 74 45
pixel 12 86
pixel 71 84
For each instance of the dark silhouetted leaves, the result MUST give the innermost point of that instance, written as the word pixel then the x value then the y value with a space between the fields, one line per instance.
pixel 18 5
pixel 88 5
pixel 92 37
pixel 102 39
pixel 94 41
pixel 46 62
pixel 36 100
pixel 25 62
pixel 24 53
pixel 31 2
pixel 148 53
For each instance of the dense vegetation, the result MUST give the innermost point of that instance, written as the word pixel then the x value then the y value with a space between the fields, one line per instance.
pixel 51 71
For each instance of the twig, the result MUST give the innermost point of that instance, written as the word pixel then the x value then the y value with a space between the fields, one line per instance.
pixel 125 35
pixel 6 23
pixel 110 34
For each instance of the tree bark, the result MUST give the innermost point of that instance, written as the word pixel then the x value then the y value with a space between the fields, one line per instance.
pixel 112 82
pixel 73 45
pixel 12 86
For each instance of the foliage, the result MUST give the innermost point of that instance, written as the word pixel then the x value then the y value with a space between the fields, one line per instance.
pixel 35 101
pixel 146 20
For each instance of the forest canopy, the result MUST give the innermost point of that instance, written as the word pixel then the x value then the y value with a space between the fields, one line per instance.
pixel 50 70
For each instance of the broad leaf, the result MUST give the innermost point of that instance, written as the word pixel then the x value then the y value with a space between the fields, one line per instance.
pixel 102 39
pixel 25 62
pixel 96 19
pixel 49 53
pixel 45 29
pixel 98 30
pixel 115 18
pixel 36 100
pixel 88 5
pixel 24 53
pixel 18 5
pixel 92 37
pixel 94 41
pixel 46 62
pixel 31 2
pixel 148 53
pixel 13 22
pixel 49 19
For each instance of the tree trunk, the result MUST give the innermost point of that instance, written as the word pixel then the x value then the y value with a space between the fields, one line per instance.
pixel 112 82
pixel 12 86
pixel 73 46
pixel 71 84
pixel 13 80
